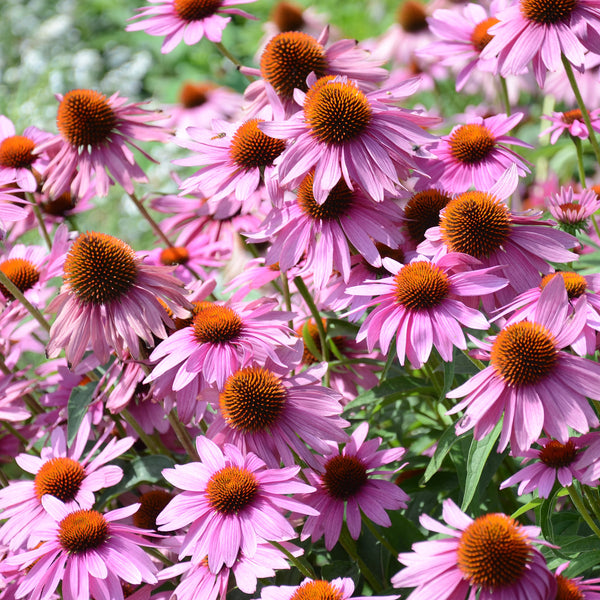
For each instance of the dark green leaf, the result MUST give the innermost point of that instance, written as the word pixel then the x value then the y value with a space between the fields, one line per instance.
pixel 445 443
pixel 79 400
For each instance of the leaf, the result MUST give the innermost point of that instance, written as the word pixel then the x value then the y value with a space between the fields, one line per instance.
pixel 445 443
pixel 309 342
pixel 526 507
pixel 479 453
pixel 79 400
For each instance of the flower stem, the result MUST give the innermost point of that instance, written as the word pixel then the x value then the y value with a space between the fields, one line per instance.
pixel 155 226
pixel 232 58
pixel 380 538
pixel 314 311
pixel 305 569
pixel 504 94
pixel 158 555
pixel 40 219
pixel 580 167
pixel 3 480
pixel 183 436
pixel 582 107
pixel 579 504
pixel 150 443
pixel 350 547
pixel 18 295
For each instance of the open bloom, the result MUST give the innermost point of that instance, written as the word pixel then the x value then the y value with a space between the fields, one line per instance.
pixel 340 588
pixel 573 210
pixel 94 143
pixel 61 472
pixel 110 299
pixel 576 588
pixel 187 20
pixel 571 121
pixel 491 558
pixel 421 304
pixel 531 380
pixel 477 154
pixel 346 483
pixel 342 132
pixel 232 502
pixel 89 552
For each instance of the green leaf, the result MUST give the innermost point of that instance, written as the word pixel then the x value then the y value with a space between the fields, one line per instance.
pixel 479 453
pixel 79 400
pixel 445 443
pixel 526 507
pixel 309 342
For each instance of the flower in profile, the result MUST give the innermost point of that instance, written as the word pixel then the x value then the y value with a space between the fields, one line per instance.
pixel 421 304
pixel 186 20
pixel 231 496
pixel 477 155
pixel 575 588
pixel 60 472
pixel 346 483
pixel 541 32
pixel 278 417
pixel 17 156
pixel 555 462
pixel 89 552
pixel 340 588
pixel 531 379
pixel 341 132
pixel 571 121
pixel 572 210
pixel 110 299
pixel 94 143
pixel 324 234
pixel 490 557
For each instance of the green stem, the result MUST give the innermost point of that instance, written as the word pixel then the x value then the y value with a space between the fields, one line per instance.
pixel 19 436
pixel 475 361
pixel 504 94
pixel 350 547
pixel 580 167
pixel 593 498
pixel 159 555
pixel 40 219
pixel 3 480
pixel 287 297
pixel 18 295
pixel 582 107
pixel 183 436
pixel 155 226
pixel 128 417
pixel 596 226
pixel 382 540
pixel 582 510
pixel 314 311
pixel 305 569
pixel 232 58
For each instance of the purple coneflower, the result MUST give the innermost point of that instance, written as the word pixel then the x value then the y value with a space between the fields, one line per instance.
pixel 340 588
pixel 571 121
pixel 491 558
pixel 573 210
pixel 575 588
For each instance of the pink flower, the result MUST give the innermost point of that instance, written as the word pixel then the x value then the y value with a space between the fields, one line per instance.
pixel 323 234
pixel 476 154
pixel 346 484
pixel 571 121
pixel 340 588
pixel 278 417
pixel 10 208
pixel 555 462
pixel 531 30
pixel 231 502
pixel 187 20
pixel 576 587
pixel 87 551
pixel 531 379
pixel 421 305
pixel 60 472
pixel 342 132
pixel 491 558
pixel 17 155
pixel 93 146
pixel 573 210
pixel 110 299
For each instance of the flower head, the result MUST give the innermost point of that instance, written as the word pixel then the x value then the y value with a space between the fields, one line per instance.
pixel 573 210
pixel 340 588
pixel 492 556
pixel 571 121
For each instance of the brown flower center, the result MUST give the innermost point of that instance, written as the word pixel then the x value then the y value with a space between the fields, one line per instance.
pixel 471 143
pixel 317 590
pixel 493 552
pixel 344 476
pixel 82 530
pixel 252 399
pixel 289 58
pixel 480 36
pixel 60 205
pixel 287 17
pixel 85 118
pixel 412 16
pixel 251 148
pixel 21 272
pixel 215 324
pixel 16 151
pixel 475 223
pixel 100 268
pixel 567 589
pixel 420 285
pixel 196 10
pixel 422 211
pixel 575 284
pixel 174 255
pixel 231 489
pixel 524 353
pixel 60 477
pixel 192 95
pixel 151 505
pixel 336 111
pixel 556 455
pixel 548 12
pixel 570 116
pixel 336 205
